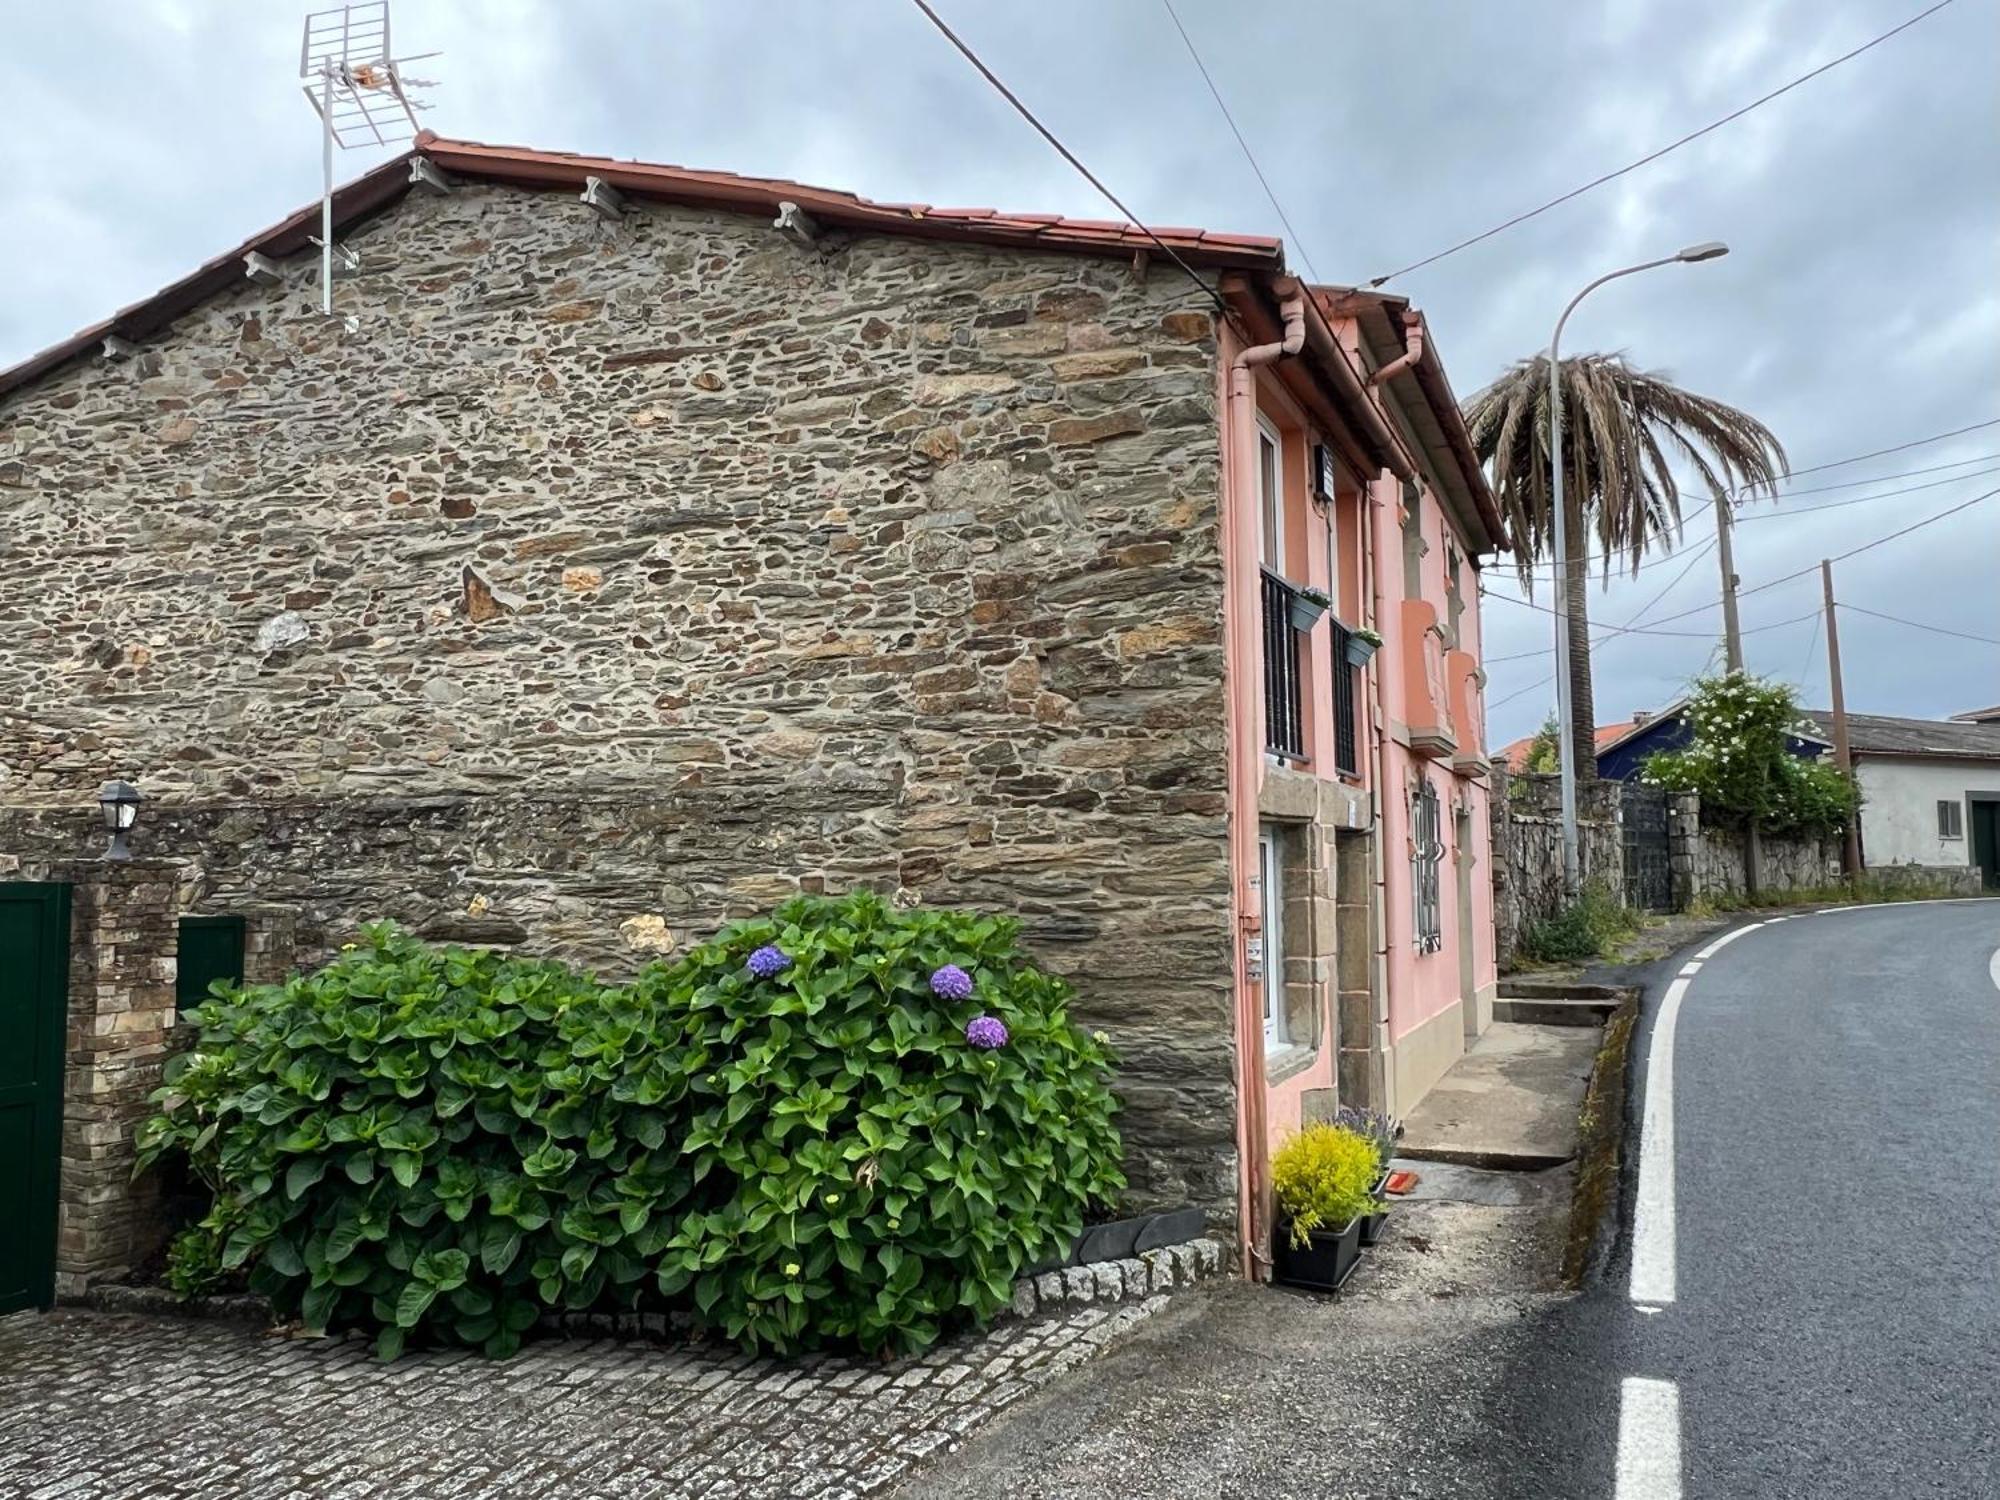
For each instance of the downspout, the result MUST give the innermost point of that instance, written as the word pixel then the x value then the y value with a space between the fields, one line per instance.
pixel 1374 510
pixel 1246 748
pixel 1412 355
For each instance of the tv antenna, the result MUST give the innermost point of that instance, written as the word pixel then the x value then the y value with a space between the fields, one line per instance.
pixel 362 99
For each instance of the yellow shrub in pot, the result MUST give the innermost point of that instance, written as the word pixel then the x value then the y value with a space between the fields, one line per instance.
pixel 1321 1178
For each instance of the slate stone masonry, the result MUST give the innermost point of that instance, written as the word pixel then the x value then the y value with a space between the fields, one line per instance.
pixel 612 581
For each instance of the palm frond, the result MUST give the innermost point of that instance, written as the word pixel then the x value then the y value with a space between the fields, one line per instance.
pixel 1624 431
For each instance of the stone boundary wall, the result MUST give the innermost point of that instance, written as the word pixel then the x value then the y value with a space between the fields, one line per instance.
pixel 1526 809
pixel 618 580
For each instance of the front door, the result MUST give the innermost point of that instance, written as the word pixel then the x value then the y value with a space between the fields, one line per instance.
pixel 34 969
pixel 1986 841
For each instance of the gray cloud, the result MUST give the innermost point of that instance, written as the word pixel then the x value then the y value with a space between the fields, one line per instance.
pixel 1858 309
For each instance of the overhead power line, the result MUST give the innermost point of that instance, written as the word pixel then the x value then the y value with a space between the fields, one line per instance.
pixel 1592 558
pixel 1692 136
pixel 1068 155
pixel 1843 556
pixel 1923 442
pixel 1248 155
pixel 1920 625
pixel 1813 510
pixel 1687 559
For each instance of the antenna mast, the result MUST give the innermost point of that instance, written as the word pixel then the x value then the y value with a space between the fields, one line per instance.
pixel 362 98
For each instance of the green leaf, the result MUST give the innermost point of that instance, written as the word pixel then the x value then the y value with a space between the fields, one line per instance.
pixel 283 1257
pixel 442 1269
pixel 302 1174
pixel 317 1307
pixel 405 1168
pixel 389 1343
pixel 498 1247
pixel 412 1302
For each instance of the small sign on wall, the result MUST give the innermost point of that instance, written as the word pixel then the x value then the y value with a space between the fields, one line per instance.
pixel 1253 956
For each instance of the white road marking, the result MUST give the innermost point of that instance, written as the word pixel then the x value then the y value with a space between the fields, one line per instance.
pixel 1649 1439
pixel 1993 969
pixel 1726 939
pixel 1690 969
pixel 1653 1228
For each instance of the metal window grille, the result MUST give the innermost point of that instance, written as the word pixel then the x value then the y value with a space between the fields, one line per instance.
pixel 1345 757
pixel 1427 859
pixel 1284 713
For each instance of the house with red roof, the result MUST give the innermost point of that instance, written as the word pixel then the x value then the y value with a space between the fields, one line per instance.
pixel 636 546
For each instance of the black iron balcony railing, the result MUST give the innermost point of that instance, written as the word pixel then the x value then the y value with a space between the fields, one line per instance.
pixel 1284 711
pixel 1345 758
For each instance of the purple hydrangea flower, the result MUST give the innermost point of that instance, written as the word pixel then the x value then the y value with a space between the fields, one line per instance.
pixel 986 1031
pixel 951 983
pixel 768 960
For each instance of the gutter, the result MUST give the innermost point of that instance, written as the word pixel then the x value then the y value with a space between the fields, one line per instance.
pixel 1245 766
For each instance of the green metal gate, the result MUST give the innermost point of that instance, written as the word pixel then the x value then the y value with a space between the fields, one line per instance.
pixel 34 985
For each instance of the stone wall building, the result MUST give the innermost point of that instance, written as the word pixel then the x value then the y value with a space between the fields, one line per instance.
pixel 585 582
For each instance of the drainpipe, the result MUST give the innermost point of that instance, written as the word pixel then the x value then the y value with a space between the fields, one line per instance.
pixel 1412 355
pixel 1246 756
pixel 1376 519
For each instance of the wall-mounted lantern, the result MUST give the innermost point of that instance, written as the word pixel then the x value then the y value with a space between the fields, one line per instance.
pixel 120 801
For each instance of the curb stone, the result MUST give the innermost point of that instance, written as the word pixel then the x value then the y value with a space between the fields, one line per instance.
pixel 1133 1279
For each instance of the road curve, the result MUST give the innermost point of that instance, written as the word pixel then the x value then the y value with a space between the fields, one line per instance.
pixel 1833 1328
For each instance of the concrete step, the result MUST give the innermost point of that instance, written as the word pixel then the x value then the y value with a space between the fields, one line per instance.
pixel 1555 1011
pixel 1561 989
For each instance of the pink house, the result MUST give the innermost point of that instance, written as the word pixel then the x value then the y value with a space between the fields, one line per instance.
pixel 1360 838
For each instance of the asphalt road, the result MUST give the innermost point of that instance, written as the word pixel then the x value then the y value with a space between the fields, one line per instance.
pixel 1831 1332
pixel 1834 1329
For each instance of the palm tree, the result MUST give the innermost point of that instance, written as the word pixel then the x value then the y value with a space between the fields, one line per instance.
pixel 1623 430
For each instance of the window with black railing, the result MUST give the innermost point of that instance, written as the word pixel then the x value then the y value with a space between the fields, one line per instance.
pixel 1345 757
pixel 1284 709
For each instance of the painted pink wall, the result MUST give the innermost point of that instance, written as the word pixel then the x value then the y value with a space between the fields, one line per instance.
pixel 1421 986
pixel 1418 989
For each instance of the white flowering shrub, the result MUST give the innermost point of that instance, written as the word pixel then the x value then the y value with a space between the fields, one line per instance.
pixel 1740 762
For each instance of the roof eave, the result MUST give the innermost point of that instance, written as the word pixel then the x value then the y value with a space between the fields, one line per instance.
pixel 353 203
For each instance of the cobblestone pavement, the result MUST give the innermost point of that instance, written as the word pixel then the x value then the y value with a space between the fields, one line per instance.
pixel 97 1406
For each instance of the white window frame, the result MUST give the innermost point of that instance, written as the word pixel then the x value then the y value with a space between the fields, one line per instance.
pixel 1271 895
pixel 1270 495
pixel 1951 818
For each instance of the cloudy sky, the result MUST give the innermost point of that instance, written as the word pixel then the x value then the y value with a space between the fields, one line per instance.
pixel 1860 308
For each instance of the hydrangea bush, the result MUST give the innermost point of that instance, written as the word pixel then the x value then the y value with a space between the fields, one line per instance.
pixel 845 1123
pixel 883 1131
pixel 425 1141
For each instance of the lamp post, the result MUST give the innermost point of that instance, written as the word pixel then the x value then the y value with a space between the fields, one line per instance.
pixel 1565 747
pixel 120 803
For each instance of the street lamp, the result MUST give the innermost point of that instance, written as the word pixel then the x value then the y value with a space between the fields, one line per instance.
pixel 120 803
pixel 1572 871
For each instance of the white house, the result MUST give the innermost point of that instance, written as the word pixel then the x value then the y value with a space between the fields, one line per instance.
pixel 1930 789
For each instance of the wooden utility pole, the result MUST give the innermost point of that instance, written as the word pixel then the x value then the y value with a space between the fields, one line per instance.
pixel 1732 637
pixel 1843 756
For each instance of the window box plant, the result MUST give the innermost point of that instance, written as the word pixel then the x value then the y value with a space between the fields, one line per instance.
pixel 1321 1178
pixel 1308 604
pixel 1362 644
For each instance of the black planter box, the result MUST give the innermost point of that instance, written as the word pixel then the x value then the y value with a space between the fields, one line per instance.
pixel 1323 1264
pixel 1373 1224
